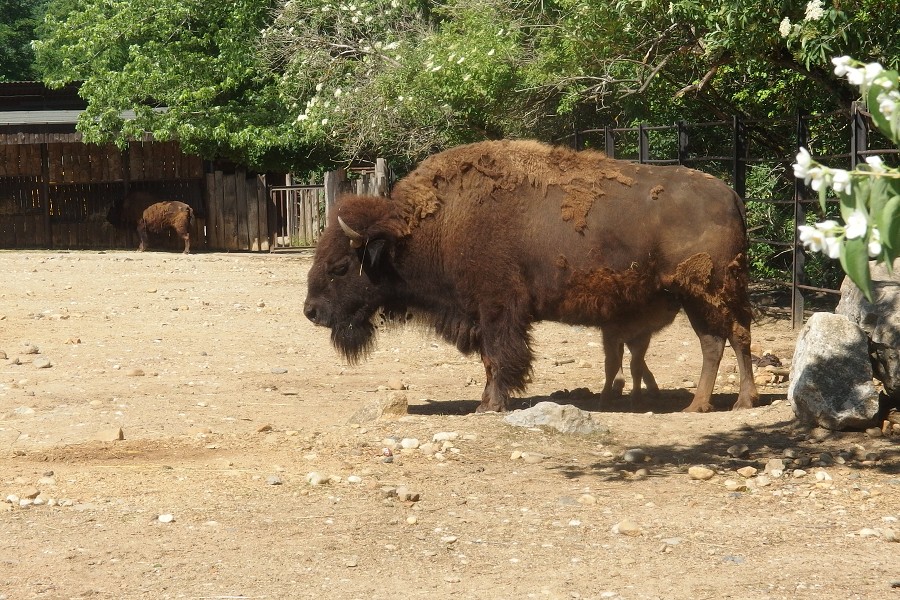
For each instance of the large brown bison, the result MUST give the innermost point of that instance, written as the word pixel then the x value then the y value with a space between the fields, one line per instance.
pixel 483 240
pixel 142 211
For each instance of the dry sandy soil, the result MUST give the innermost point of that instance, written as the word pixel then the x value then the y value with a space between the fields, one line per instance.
pixel 228 398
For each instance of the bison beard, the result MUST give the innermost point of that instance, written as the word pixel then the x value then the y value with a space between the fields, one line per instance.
pixel 483 240
pixel 354 342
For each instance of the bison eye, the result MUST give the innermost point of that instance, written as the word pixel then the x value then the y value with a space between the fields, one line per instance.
pixel 339 269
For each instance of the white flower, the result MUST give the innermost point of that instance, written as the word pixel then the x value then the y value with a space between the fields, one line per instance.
pixel 841 65
pixel 833 247
pixel 875 163
pixel 887 103
pixel 785 27
pixel 803 164
pixel 840 181
pixel 302 117
pixel 324 121
pixel 814 10
pixel 874 243
pixel 812 238
pixel 392 46
pixel 857 224
pixel 319 86
pixel 338 92
pixel 815 177
pixel 828 227
pixel 491 52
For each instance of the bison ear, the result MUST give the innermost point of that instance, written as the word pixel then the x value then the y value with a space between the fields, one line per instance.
pixel 374 249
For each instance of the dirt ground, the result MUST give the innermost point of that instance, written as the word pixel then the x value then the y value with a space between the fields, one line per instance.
pixel 228 398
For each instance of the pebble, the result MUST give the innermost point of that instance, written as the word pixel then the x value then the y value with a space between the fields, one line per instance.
pixel 112 434
pixel 587 500
pixel 412 519
pixel 532 458
pixel 734 486
pixel 822 476
pixel 700 473
pixel 738 450
pixel 316 478
pixel 354 479
pixel 449 539
pixel 762 481
pixel 627 527
pixel 775 464
pixel 30 349
pixel 166 518
pixel 273 480
pixel 798 473
pixel 352 562
pixel 747 472
pixel 41 363
pixel 445 436
pixel 409 443
pixel 635 455
pixel 134 373
pixel 406 495
pixel 279 370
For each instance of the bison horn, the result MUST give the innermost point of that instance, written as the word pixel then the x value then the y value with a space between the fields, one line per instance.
pixel 356 240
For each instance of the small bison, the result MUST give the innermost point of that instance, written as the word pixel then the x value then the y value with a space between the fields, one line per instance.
pixel 158 217
pixel 143 211
pixel 483 240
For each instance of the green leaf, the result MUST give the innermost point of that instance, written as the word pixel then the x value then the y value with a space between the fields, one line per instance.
pixel 888 221
pixel 855 262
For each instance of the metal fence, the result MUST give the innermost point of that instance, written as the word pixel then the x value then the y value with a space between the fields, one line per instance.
pixel 755 158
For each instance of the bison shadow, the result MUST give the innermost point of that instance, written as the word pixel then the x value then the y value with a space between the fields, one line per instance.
pixel 667 401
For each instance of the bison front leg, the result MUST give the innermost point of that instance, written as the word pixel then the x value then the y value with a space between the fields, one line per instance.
pixel 507 357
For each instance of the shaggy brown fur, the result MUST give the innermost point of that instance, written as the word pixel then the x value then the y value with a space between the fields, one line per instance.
pixel 158 217
pixel 482 240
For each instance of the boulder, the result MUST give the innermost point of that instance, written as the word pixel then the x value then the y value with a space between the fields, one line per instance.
pixel 562 417
pixel 831 376
pixel 881 322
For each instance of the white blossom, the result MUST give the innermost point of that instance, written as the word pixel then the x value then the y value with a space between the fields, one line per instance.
pixel 887 103
pixel 324 121
pixel 840 181
pixel 833 247
pixel 785 27
pixel 857 224
pixel 814 10
pixel 803 164
pixel 874 243
pixel 491 52
pixel 875 163
pixel 319 86
pixel 812 238
pixel 841 65
pixel 338 92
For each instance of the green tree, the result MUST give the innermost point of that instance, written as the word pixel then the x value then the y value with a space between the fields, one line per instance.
pixel 20 18
pixel 188 70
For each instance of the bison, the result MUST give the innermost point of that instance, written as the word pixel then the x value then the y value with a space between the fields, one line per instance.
pixel 482 240
pixel 143 211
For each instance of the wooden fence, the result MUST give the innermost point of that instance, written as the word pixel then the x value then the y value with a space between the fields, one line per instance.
pixel 301 211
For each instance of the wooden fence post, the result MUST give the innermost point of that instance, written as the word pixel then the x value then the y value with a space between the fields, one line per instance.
pixel 739 174
pixel 381 177
pixel 859 134
pixel 333 184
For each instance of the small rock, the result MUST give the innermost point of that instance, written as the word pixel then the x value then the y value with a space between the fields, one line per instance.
pixel 166 518
pixel 405 495
pixel 627 527
pixel 701 473
pixel 279 370
pixel 264 428
pixel 134 373
pixel 587 500
pixel 412 519
pixel 316 478
pixel 397 384
pixel 747 472
pixel 30 349
pixel 449 539
pixel 890 535
pixel 738 450
pixel 41 363
pixel 354 479
pixel 395 404
pixel 635 455
pixel 874 432
pixel 734 486
pixel 445 436
pixel 273 480
pixel 112 434
pixel 868 532
pixel 775 464
pixel 798 473
pixel 30 493
pixel 792 453
pixel 822 476
pixel 409 443
pixel 532 458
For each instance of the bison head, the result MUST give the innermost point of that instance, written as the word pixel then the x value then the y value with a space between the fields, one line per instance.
pixel 353 274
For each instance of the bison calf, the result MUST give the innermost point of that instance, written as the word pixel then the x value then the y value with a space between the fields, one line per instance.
pixel 158 217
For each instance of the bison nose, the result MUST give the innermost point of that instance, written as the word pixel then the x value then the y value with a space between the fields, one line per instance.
pixel 310 311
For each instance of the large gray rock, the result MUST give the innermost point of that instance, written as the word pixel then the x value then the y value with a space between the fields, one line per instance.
pixel 831 376
pixel 562 417
pixel 881 322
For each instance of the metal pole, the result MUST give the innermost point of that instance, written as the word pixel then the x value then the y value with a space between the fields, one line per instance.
pixel 800 196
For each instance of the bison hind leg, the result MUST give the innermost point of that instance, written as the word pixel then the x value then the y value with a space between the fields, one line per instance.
pixel 142 234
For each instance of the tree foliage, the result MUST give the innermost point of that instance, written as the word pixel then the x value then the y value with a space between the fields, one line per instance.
pixel 20 18
pixel 273 83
